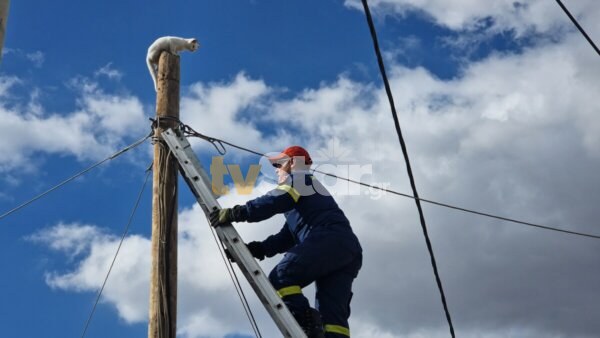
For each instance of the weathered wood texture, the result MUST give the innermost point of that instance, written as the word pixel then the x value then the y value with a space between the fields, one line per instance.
pixel 163 283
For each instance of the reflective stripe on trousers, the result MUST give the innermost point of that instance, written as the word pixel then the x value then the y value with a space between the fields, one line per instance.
pixel 290 290
pixel 337 329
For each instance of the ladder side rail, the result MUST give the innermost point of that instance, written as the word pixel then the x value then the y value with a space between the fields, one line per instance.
pixel 197 179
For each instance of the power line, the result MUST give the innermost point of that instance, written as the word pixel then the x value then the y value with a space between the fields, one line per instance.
pixel 170 210
pixel 118 153
pixel 194 133
pixel 236 283
pixel 408 167
pixel 445 205
pixel 581 30
pixel 135 207
pixel 218 144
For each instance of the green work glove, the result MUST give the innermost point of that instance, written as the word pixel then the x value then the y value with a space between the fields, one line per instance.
pixel 222 216
pixel 228 215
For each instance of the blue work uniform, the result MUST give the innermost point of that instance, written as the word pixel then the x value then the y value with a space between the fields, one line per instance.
pixel 319 247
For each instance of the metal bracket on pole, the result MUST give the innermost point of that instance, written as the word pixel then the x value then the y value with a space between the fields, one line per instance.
pixel 198 181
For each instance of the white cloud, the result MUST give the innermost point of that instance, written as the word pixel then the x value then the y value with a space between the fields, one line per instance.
pixel 208 305
pixel 127 287
pixel 522 17
pixel 71 239
pixel 6 82
pixel 229 110
pixel 99 125
pixel 109 72
pixel 37 58
pixel 204 322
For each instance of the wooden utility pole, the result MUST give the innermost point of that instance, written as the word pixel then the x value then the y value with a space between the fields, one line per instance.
pixel 163 282
pixel 4 4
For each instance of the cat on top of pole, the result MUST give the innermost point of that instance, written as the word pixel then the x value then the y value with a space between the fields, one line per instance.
pixel 171 44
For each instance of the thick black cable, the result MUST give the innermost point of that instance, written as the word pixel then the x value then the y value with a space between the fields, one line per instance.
pixel 125 231
pixel 118 153
pixel 445 205
pixel 218 144
pixel 581 30
pixel 406 159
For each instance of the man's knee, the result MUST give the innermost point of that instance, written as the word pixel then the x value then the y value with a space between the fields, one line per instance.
pixel 278 278
pixel 283 284
pixel 288 272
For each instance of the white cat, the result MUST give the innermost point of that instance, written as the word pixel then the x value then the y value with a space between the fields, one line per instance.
pixel 171 44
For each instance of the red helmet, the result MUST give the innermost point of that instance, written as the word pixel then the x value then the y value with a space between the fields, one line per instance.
pixel 292 151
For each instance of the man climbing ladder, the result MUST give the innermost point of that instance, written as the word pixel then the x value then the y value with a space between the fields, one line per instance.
pixel 317 240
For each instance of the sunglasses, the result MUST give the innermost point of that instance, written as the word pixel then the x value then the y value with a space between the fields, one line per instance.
pixel 278 165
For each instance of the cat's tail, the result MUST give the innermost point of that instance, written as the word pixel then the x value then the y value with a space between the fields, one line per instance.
pixel 152 73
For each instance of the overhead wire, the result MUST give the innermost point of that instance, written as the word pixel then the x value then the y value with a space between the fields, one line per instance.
pixel 236 283
pixel 445 205
pixel 125 231
pixel 220 148
pixel 82 172
pixel 581 30
pixel 388 91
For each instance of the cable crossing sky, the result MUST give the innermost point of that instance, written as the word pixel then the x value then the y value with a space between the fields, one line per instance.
pixel 213 140
pixel 95 165
pixel 221 142
pixel 581 30
pixel 413 185
pixel 125 232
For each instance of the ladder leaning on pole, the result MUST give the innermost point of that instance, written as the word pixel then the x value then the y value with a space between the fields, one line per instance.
pixel 198 181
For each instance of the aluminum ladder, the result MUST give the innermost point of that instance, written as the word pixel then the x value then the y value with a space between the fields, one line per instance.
pixel 200 184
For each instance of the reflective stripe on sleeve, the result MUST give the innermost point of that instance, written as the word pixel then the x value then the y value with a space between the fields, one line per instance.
pixel 290 290
pixel 290 190
pixel 337 329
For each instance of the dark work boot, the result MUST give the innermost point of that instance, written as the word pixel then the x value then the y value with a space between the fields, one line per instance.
pixel 311 323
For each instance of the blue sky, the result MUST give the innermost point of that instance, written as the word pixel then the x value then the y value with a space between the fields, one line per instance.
pixel 497 100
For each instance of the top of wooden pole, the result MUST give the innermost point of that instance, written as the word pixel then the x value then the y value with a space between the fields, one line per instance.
pixel 4 5
pixel 167 97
